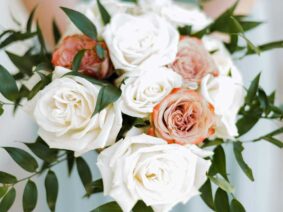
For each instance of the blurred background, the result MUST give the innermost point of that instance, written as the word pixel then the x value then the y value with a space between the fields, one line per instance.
pixel 263 195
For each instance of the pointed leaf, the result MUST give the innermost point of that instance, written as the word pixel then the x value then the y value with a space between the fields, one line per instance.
pixel 30 19
pixel 206 194
pixel 6 178
pixel 142 207
pixel 51 187
pixel 3 191
pixel 1 109
pixel 96 187
pixel 236 206
pixel 77 60
pixel 99 51
pixel 221 201
pixel 22 158
pixel 103 12
pixel 111 206
pixel 8 86
pixel 219 161
pixel 70 161
pixel 30 196
pixel 56 32
pixel 8 200
pixel 84 173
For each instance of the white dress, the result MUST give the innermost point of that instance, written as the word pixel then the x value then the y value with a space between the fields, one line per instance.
pixel 264 195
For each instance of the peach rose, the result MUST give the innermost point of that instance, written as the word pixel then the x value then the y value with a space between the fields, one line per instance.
pixel 193 61
pixel 91 64
pixel 183 117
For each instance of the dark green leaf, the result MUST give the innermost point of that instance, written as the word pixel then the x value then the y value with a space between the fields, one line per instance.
pixel 81 22
pixel 30 19
pixel 140 123
pixel 8 200
pixel 238 149
pixel 185 30
pixel 263 99
pixel 3 191
pixel 41 150
pixel 206 194
pixel 56 32
pixel 52 188
pixel 269 46
pixel 41 40
pixel 96 187
pixel 236 206
pixel 70 161
pixel 6 178
pixel 22 158
pixel 103 12
pixel 77 60
pixel 1 109
pixel 30 196
pixel 111 206
pixel 99 51
pixel 23 63
pixel 84 173
pixel 39 86
pixel 15 37
pixel 246 123
pixel 8 86
pixel 219 161
pixel 221 201
pixel 222 183
pixel 142 207
pixel 215 142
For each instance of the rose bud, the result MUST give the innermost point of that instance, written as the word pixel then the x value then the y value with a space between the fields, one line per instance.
pixel 91 64
pixel 183 117
pixel 193 61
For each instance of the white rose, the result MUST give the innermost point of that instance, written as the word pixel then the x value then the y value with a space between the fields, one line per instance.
pixel 147 168
pixel 140 41
pixel 140 94
pixel 227 96
pixel 177 14
pixel 63 110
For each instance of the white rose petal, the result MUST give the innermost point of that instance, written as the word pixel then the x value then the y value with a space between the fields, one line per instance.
pixel 63 110
pixel 140 41
pixel 140 94
pixel 147 168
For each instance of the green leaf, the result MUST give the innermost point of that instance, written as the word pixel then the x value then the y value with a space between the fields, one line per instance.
pixel 185 30
pixel 274 141
pixel 209 143
pixel 30 196
pixel 22 158
pixel 6 178
pixel 100 51
pixel 84 173
pixel 56 32
pixel 41 40
pixel 41 150
pixel 206 194
pixel 221 201
pixel 23 63
pixel 96 187
pixel 103 12
pixel 3 191
pixel 8 200
pixel 236 206
pixel 142 207
pixel 30 19
pixel 8 86
pixel 111 206
pixel 39 86
pixel 70 161
pixel 268 46
pixel 15 37
pixel 222 183
pixel 81 22
pixel 1 109
pixel 238 149
pixel 77 60
pixel 246 123
pixel 106 96
pixel 219 161
pixel 52 188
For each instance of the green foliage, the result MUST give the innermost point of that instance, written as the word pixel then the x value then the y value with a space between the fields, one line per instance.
pixel 103 12
pixel 30 20
pixel 3 190
pixel 142 207
pixel 81 22
pixel 8 200
pixel 219 162
pixel 85 174
pixel 22 158
pixel 56 32
pixel 70 162
pixel 8 86
pixel 6 178
pixel 236 206
pixel 111 206
pixel 206 194
pixel 1 109
pixel 51 188
pixel 39 86
pixel 222 183
pixel 221 201
pixel 100 51
pixel 96 187
pixel 238 149
pixel 10 36
pixel 29 196
pixel 77 60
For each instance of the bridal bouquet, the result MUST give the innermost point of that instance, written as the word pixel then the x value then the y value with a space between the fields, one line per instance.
pixel 151 87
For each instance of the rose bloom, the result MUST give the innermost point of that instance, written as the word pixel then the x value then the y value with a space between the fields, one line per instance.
pixel 146 168
pixel 64 110
pixel 91 64
pixel 183 117
pixel 193 61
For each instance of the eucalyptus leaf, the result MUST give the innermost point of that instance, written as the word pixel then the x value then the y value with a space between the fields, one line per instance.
pixel 221 201
pixel 8 200
pixel 206 194
pixel 236 206
pixel 81 22
pixel 29 196
pixel 51 188
pixel 6 178
pixel 103 12
pixel 22 158
pixel 8 86
pixel 84 173
pixel 222 183
pixel 238 149
pixel 111 206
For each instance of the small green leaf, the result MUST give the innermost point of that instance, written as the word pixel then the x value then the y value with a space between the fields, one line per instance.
pixel 30 19
pixel 81 22
pixel 185 30
pixel 52 188
pixel 22 158
pixel 39 86
pixel 111 206
pixel 30 196
pixel 8 200
pixel 8 86
pixel 252 91
pixel 238 149
pixel 3 191
pixel 247 122
pixel 15 37
pixel 70 161
pixel 236 206
pixel 96 187
pixel 84 173
pixel 1 109
pixel 206 194
pixel 41 150
pixel 100 51
pixel 56 32
pixel 103 12
pixel 77 60
pixel 142 207
pixel 219 161
pixel 221 201
pixel 6 178
pixel 222 183
pixel 22 62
